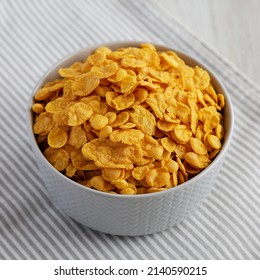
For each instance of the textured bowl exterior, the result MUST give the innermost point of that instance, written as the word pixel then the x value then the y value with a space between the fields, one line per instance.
pixel 122 214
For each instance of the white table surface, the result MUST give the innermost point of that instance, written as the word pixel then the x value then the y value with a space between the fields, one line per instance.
pixel 232 27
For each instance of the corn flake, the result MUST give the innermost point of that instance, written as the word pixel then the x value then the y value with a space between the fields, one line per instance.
pixel 98 121
pixel 110 154
pixel 168 144
pixel 97 58
pixel 128 84
pixel 57 105
pixel 105 71
pixel 126 136
pixel 77 137
pixel 43 123
pixel 77 114
pixel 214 141
pixel 182 134
pixel 59 158
pixel 144 120
pixel 121 119
pixel 38 108
pixel 111 174
pixel 123 101
pixel 197 146
pixel 130 121
pixel 100 184
pixel 47 91
pixel 85 83
pixel 68 72
pixel 197 161
pixel 57 138
pixel 132 62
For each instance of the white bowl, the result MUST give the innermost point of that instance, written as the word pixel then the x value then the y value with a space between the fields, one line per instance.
pixel 128 214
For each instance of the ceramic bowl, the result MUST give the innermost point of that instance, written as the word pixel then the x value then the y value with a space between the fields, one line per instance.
pixel 129 215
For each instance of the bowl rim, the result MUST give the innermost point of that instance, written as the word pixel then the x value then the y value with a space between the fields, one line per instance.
pixel 115 45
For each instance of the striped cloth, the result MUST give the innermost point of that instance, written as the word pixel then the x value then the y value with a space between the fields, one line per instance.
pixel 33 36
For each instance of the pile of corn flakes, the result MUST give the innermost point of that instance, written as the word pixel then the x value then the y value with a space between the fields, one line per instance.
pixel 130 121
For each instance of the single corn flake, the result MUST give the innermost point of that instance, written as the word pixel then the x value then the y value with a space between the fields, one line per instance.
pixel 100 184
pixel 121 118
pixel 139 172
pixel 128 84
pixel 128 191
pixel 59 158
pixel 123 101
pixel 197 146
pixel 140 94
pixel 67 91
pixel 197 161
pixel 70 170
pixel 165 126
pixel 46 92
pixel 219 130
pixel 213 154
pixel 201 78
pixel 78 113
pixel 158 103
pixel 85 83
pixel 221 100
pixel 143 119
pixel 105 71
pixel 132 62
pixel 105 131
pixel 168 144
pixel 38 108
pixel 102 90
pixel 68 72
pixel 214 141
pixel 163 180
pixel 151 176
pixel 97 58
pixel 194 115
pixel 111 116
pixel 161 76
pixel 98 121
pixel 106 153
pixel 183 112
pixel 127 125
pixel 120 184
pixel 182 133
pixel 118 76
pixel 57 105
pixel 111 174
pixel 155 152
pixel 126 136
pixel 171 165
pixel 43 123
pixel 211 122
pixel 57 138
pixel 169 59
pixel 77 137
